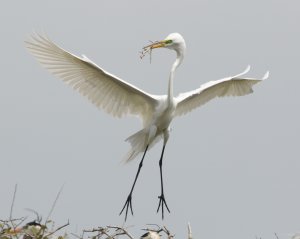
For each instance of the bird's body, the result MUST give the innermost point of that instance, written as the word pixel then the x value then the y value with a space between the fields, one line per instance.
pixel 150 235
pixel 119 98
pixel 30 229
pixel 157 128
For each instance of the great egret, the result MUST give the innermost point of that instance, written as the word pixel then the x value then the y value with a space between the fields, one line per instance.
pixel 151 235
pixel 119 98
pixel 29 228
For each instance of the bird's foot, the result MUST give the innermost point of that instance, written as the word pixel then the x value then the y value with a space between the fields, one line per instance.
pixel 162 204
pixel 127 204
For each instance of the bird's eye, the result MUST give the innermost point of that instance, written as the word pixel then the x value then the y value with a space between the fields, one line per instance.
pixel 168 41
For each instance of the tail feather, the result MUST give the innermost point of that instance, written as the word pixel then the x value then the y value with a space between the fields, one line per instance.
pixel 138 142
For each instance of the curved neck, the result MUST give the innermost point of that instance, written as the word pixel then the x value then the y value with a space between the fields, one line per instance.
pixel 175 65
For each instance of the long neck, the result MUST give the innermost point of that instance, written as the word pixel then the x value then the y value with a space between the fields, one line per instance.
pixel 177 62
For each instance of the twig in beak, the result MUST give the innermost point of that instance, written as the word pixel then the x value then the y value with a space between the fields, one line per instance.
pixel 147 50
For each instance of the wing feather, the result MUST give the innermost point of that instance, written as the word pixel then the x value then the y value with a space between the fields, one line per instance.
pixel 230 86
pixel 103 89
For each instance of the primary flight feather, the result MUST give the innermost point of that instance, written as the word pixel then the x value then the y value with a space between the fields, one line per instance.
pixel 119 98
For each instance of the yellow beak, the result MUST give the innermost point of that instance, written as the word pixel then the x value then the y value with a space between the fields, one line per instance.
pixel 156 45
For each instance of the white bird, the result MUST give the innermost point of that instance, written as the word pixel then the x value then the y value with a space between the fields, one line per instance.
pixel 30 230
pixel 119 98
pixel 151 235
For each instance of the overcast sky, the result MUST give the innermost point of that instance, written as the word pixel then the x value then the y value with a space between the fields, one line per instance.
pixel 231 167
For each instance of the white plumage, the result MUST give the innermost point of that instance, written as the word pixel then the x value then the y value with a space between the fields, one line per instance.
pixel 151 235
pixel 229 86
pixel 119 98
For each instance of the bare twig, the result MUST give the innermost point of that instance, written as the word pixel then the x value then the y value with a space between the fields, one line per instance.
pixel 104 232
pixel 159 229
pixel 13 202
pixel 38 217
pixel 57 229
pixel 54 203
pixel 170 236
pixel 21 221
pixel 147 50
pixel 74 235
pixel 123 231
pixel 101 231
pixel 276 235
pixel 13 220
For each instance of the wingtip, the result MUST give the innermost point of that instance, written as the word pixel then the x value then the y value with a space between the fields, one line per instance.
pixel 242 73
pixel 247 69
pixel 33 37
pixel 266 75
pixel 189 231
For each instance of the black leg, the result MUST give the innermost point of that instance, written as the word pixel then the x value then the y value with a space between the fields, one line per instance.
pixel 128 202
pixel 162 201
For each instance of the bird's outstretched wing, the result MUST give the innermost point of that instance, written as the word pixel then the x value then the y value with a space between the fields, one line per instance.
pixel 230 86
pixel 103 89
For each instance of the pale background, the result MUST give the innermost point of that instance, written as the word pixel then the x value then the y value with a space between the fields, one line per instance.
pixel 231 167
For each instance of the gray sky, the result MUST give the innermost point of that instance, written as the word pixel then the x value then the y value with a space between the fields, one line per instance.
pixel 231 167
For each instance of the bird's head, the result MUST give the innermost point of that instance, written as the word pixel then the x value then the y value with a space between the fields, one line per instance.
pixel 173 41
